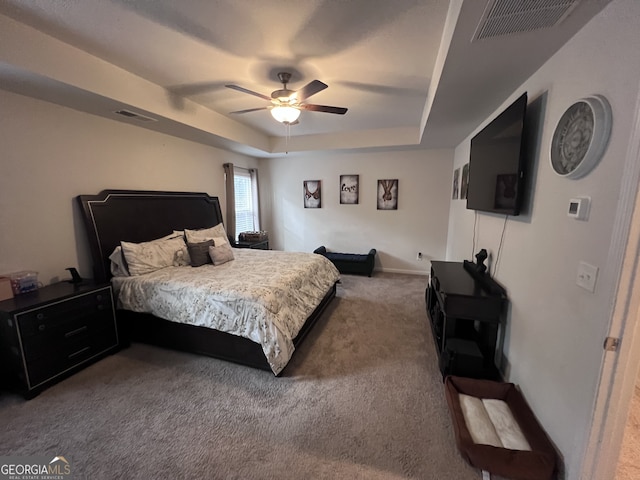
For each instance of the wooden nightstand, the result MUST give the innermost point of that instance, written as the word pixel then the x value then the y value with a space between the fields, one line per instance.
pixel 263 245
pixel 53 332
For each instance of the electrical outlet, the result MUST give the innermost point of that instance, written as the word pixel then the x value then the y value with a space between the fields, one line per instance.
pixel 419 256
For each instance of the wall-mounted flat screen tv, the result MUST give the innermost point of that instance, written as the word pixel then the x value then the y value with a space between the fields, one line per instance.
pixel 496 164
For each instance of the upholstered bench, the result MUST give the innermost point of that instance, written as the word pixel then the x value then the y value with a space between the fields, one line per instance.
pixel 351 262
pixel 497 432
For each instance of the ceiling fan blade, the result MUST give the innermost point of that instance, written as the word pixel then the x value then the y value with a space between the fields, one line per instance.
pixel 249 110
pixel 250 92
pixel 324 108
pixel 309 89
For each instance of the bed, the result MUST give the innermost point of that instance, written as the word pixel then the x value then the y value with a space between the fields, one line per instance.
pixel 113 216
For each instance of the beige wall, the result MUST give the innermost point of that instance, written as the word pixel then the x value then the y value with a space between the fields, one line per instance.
pixel 50 154
pixel 419 224
pixel 555 329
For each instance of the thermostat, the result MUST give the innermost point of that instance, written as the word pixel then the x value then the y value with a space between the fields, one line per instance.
pixel 579 208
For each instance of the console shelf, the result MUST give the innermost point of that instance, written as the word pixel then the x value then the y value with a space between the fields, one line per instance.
pixel 465 314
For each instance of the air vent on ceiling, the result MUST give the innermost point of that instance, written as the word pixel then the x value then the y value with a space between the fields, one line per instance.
pixel 135 116
pixel 508 17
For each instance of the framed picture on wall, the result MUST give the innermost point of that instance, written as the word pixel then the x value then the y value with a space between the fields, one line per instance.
pixel 387 194
pixel 464 182
pixel 312 193
pixel 456 181
pixel 349 189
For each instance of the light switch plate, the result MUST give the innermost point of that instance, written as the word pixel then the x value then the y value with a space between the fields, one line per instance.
pixel 587 275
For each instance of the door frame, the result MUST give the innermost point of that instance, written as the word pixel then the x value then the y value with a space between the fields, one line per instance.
pixel 619 369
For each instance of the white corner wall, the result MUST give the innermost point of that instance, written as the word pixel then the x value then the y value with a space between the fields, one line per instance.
pixel 50 154
pixel 555 329
pixel 418 225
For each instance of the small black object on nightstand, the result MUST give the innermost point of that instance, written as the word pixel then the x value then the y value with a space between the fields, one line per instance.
pixel 75 276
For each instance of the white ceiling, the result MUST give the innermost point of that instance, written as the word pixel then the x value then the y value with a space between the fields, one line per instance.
pixel 407 70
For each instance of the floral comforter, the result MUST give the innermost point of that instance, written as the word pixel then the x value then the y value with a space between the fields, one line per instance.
pixel 263 295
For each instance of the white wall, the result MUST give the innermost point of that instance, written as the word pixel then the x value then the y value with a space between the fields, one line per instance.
pixel 419 224
pixel 50 154
pixel 555 329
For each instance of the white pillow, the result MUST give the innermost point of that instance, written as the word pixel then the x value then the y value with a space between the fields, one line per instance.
pixel 217 241
pixel 118 265
pixel 148 257
pixel 505 424
pixel 478 421
pixel 174 234
pixel 199 236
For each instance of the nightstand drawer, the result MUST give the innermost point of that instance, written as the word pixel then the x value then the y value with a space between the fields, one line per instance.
pixel 56 335
pixel 55 316
pixel 69 356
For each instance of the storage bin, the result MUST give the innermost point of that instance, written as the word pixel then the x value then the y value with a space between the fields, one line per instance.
pixel 253 237
pixel 25 281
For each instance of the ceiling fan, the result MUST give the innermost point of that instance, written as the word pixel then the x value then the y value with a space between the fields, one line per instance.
pixel 286 104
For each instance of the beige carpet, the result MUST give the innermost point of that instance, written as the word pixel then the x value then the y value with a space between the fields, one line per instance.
pixel 362 399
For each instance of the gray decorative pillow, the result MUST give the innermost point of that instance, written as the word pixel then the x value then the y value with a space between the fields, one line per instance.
pixel 221 254
pixel 199 253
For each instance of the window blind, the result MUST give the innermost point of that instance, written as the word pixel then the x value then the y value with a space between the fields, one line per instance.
pixel 244 202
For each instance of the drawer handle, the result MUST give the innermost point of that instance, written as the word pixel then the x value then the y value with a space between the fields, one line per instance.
pixel 75 332
pixel 101 307
pixel 98 297
pixel 40 316
pixel 42 327
pixel 78 352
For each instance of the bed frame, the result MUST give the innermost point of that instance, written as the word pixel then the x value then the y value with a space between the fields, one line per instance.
pixel 139 216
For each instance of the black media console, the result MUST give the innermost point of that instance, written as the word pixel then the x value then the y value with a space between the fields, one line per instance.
pixel 465 311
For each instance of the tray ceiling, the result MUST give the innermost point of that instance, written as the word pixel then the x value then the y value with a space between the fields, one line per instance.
pixel 409 71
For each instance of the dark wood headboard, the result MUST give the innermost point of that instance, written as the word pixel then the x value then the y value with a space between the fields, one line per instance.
pixel 140 216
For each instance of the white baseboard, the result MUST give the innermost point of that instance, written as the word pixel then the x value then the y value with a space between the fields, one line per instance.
pixel 423 273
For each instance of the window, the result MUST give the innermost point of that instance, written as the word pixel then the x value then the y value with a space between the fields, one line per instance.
pixel 243 206
pixel 246 204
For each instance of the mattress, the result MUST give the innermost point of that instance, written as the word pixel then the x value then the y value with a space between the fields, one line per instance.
pixel 263 295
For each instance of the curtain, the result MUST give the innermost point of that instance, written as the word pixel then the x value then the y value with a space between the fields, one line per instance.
pixel 231 200
pixel 256 197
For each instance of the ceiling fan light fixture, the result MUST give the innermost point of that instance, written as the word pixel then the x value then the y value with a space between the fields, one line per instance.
pixel 285 114
pixel 286 104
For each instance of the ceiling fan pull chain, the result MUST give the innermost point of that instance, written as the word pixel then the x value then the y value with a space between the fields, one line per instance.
pixel 287 128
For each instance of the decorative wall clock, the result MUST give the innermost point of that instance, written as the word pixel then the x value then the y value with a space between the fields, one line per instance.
pixel 581 137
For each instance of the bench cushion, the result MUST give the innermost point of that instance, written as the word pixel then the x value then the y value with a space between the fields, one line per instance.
pixel 347 257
